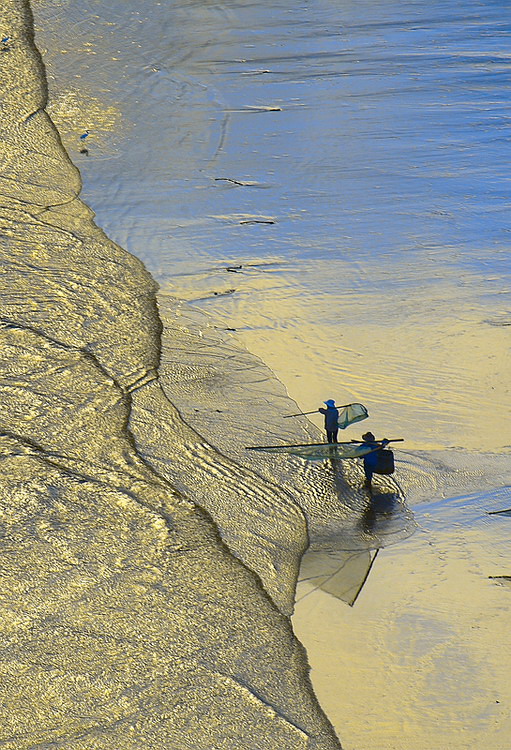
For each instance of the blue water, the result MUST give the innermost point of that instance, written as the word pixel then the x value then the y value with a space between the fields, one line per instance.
pixel 353 160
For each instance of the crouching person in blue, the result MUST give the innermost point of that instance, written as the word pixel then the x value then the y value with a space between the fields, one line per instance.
pixel 371 459
pixel 331 420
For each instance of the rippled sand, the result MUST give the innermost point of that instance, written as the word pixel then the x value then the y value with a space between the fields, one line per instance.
pixel 126 619
pixel 326 186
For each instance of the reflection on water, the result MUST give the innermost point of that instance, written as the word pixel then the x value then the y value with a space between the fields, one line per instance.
pixel 504 580
pixel 340 564
pixel 339 573
pixel 378 514
pixel 417 653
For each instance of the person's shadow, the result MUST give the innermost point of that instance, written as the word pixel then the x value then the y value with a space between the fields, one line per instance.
pixel 379 512
pixel 341 566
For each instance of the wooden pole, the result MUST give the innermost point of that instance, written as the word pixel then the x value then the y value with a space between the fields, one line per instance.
pixel 306 445
pixel 304 413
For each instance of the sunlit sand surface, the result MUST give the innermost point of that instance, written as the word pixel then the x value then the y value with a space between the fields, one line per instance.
pixel 320 194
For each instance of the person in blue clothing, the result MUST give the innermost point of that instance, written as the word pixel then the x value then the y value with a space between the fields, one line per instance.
pixel 371 459
pixel 331 420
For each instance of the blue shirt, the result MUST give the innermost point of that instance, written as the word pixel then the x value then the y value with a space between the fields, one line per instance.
pixel 371 459
pixel 331 418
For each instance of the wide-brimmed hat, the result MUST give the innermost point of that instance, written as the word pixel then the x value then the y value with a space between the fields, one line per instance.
pixel 330 402
pixel 368 436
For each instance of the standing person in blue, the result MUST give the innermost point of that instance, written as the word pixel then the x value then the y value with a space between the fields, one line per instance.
pixel 331 420
pixel 371 459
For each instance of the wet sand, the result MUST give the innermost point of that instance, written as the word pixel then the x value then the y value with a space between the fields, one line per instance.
pixel 126 620
pixel 355 240
pixel 422 659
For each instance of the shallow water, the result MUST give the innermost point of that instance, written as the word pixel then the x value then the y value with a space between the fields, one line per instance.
pixel 330 182
pixel 371 136
pixel 422 659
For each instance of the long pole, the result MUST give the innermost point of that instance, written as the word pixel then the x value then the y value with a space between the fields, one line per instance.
pixel 392 440
pixel 307 445
pixel 293 445
pixel 303 413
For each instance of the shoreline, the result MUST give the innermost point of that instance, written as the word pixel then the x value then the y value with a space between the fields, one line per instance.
pixel 119 591
pixel 454 353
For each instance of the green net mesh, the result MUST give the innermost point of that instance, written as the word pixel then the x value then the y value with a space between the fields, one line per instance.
pixel 350 414
pixel 318 451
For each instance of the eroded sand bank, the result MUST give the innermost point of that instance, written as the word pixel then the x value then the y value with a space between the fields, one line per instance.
pixel 126 621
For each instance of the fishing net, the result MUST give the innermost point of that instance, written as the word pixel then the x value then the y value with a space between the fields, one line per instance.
pixel 318 451
pixel 350 414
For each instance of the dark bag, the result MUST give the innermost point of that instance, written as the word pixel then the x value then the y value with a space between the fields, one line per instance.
pixel 385 464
